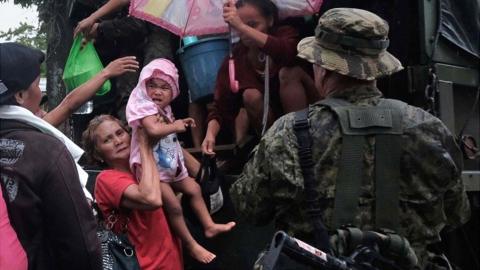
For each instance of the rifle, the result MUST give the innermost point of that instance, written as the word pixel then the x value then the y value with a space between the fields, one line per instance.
pixel 367 254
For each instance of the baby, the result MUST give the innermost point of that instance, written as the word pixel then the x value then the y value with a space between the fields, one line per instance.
pixel 149 107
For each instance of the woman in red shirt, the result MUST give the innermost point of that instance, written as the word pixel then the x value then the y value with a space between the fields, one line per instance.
pixel 291 87
pixel 136 204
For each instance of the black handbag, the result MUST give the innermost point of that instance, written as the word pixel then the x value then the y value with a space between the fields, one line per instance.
pixel 210 181
pixel 117 252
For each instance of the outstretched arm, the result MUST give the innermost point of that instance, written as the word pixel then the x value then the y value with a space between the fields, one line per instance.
pixel 155 128
pixel 85 25
pixel 83 93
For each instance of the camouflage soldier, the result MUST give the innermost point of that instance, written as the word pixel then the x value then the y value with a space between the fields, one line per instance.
pixel 348 53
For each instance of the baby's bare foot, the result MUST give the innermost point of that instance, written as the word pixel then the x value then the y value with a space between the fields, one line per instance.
pixel 200 254
pixel 216 229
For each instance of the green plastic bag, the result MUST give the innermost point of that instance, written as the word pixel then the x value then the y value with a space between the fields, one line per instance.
pixel 83 64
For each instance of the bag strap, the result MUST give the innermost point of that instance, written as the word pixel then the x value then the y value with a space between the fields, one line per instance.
pixel 212 166
pixel 314 210
pixel 204 165
pixel 208 167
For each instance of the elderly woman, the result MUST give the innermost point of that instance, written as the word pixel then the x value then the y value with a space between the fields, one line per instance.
pixel 137 204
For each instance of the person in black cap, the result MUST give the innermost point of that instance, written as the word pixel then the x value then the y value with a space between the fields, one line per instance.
pixel 39 178
pixel 20 69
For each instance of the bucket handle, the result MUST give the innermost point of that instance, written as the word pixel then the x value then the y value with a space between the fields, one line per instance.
pixel 181 42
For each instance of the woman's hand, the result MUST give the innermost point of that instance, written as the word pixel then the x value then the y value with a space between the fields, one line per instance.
pixel 84 26
pixel 208 145
pixel 121 66
pixel 92 34
pixel 230 15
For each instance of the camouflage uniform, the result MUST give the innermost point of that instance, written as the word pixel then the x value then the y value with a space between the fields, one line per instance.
pixel 431 193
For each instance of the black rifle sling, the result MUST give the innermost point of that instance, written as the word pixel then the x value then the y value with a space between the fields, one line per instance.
pixel 314 210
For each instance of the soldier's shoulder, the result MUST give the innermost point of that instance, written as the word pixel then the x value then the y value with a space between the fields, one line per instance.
pixel 415 117
pixel 420 125
pixel 283 124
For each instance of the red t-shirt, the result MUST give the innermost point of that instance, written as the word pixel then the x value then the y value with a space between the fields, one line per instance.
pixel 148 231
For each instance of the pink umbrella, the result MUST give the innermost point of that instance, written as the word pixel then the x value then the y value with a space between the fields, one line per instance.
pixel 203 17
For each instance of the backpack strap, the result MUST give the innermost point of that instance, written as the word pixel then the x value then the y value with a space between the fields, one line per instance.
pixel 387 184
pixel 388 153
pixel 384 121
pixel 314 210
pixel 349 179
pixel 348 184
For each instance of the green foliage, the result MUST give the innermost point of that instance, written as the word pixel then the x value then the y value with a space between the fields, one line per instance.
pixel 25 3
pixel 28 35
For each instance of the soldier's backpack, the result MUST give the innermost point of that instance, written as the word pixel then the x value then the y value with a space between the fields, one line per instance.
pixel 384 122
pixel 355 249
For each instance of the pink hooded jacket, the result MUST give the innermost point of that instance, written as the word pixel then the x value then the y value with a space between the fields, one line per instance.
pixel 167 152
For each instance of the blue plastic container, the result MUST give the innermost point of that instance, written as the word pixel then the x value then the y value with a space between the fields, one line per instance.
pixel 200 62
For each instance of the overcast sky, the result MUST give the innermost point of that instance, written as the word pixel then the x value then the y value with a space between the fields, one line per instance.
pixel 12 15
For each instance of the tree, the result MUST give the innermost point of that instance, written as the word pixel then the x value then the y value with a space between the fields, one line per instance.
pixel 28 35
pixel 56 27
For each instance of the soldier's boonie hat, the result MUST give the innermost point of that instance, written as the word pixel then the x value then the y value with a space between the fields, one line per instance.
pixel 352 42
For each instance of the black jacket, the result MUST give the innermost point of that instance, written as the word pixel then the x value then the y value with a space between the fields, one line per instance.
pixel 46 204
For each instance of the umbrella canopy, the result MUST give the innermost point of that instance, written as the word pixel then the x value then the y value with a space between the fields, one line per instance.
pixel 203 17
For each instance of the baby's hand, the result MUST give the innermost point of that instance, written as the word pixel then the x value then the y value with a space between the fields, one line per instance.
pixel 180 125
pixel 189 122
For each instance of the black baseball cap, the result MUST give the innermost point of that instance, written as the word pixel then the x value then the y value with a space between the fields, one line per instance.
pixel 19 67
